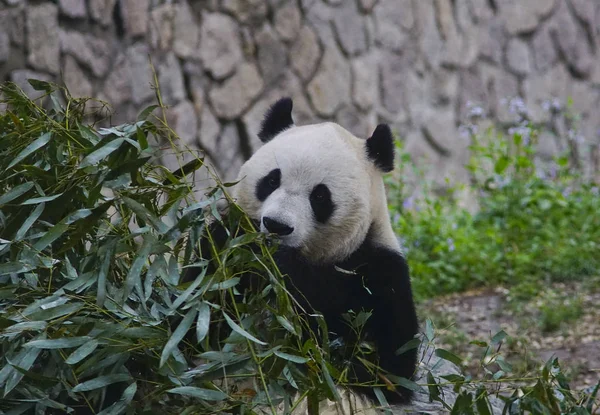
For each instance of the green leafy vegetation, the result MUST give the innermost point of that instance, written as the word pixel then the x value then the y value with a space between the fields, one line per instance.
pixel 95 318
pixel 534 222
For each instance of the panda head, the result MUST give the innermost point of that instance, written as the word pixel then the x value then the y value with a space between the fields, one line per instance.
pixel 318 188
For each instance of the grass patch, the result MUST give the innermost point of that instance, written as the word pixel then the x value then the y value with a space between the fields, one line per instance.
pixel 535 222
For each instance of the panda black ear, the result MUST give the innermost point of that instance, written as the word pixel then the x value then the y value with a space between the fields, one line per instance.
pixel 277 119
pixel 380 148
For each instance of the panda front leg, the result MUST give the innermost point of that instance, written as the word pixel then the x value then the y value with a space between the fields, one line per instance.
pixel 393 322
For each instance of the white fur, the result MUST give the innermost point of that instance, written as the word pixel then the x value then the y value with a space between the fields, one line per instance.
pixel 308 155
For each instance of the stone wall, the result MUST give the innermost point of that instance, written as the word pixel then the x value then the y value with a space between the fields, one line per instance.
pixel 413 63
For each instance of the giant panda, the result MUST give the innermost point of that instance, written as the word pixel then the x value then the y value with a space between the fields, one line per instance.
pixel 318 191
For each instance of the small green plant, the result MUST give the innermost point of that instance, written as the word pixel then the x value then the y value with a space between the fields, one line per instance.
pixel 534 222
pixel 557 308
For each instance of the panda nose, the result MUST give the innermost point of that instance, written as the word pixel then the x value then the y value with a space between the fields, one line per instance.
pixel 276 227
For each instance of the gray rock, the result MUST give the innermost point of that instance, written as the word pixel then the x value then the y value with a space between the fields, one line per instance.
pixel 12 22
pixel 585 10
pixel 439 129
pixel 481 11
pixel 330 87
pixel 247 11
pixel 162 31
pixel 521 17
pixel 305 53
pixel 220 48
pixel 196 87
pixel 367 5
pixel 585 100
pixel 235 95
pixel 187 32
pixel 444 87
pixel 170 79
pixel 140 73
pixel 493 40
pixel 135 16
pixel 540 87
pixel 595 76
pixel 228 156
pixel 365 81
pixel 272 54
pixel 102 11
pixel 182 118
pixel 503 86
pixel 209 131
pixel 91 51
pixel 392 19
pixel 544 51
pixel 350 29
pixel 75 9
pixel 359 124
pixel 430 42
pixel 320 17
pixel 4 47
pixel 472 89
pixel 20 77
pixel 117 87
pixel 572 41
pixel 288 21
pixel 393 69
pixel 42 38
pixel 462 37
pixel 518 56
pixel 75 79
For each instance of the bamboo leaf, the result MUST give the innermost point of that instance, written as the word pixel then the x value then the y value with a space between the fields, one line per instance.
pixel 96 156
pixel 146 215
pixel 36 145
pixel 103 272
pixel 24 364
pixel 241 331
pixel 449 356
pixel 133 276
pixel 203 322
pixel 200 393
pixel 42 199
pixel 291 357
pixel 15 192
pixel 176 337
pixel 82 352
pixel 100 382
pixel 409 345
pixel 62 343
pixel 52 235
pixel 29 221
pixel 120 406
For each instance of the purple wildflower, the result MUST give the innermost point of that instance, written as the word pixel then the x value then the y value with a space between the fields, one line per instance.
pixel 451 246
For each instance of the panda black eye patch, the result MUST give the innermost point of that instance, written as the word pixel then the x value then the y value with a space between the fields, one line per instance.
pixel 321 203
pixel 268 184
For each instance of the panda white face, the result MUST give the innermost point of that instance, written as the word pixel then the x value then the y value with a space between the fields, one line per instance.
pixel 314 188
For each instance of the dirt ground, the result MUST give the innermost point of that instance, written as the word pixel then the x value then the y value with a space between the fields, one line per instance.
pixel 478 315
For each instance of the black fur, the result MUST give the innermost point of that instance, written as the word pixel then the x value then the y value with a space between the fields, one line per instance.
pixel 372 279
pixel 268 184
pixel 380 148
pixel 381 284
pixel 277 119
pixel 321 203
